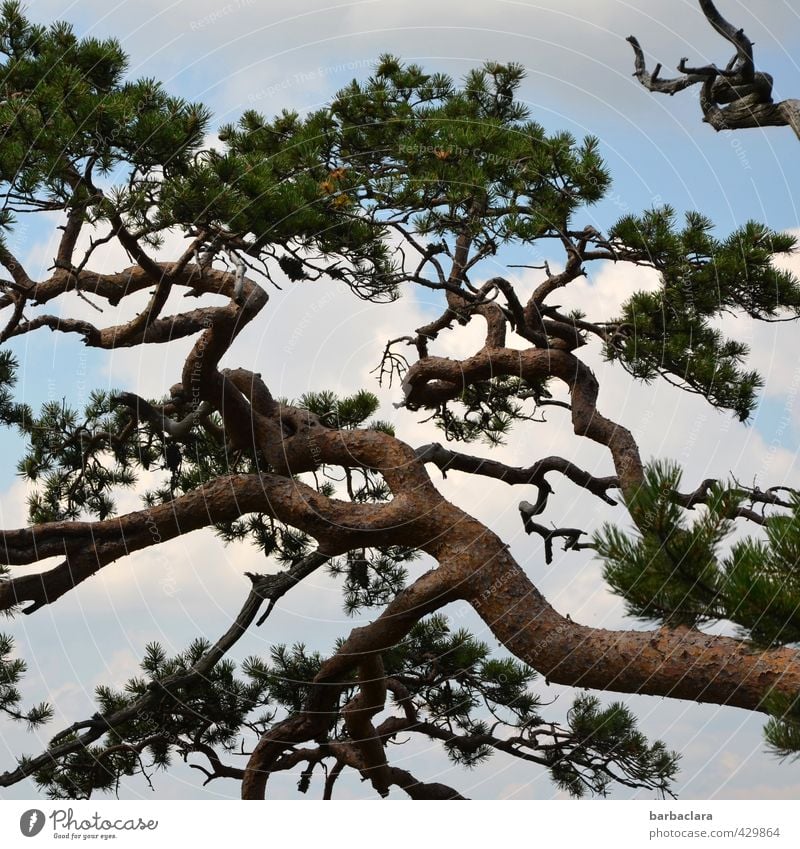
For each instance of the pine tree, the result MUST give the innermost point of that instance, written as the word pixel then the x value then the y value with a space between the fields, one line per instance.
pixel 406 179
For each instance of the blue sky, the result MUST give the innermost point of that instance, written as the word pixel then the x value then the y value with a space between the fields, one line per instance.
pixel 243 54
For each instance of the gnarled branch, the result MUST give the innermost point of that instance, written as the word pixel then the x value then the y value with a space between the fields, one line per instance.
pixel 731 98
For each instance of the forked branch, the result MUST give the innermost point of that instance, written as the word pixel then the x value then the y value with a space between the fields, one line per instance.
pixel 731 98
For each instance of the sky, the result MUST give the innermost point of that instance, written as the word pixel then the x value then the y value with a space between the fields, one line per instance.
pixel 248 55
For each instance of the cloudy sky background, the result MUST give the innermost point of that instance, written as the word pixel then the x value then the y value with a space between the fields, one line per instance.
pixel 240 55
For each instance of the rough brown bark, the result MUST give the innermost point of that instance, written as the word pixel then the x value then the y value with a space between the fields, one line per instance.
pixel 472 563
pixel 433 380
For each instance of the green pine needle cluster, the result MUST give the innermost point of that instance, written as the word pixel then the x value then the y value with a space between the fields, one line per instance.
pixel 78 460
pixel 671 331
pixel 782 731
pixel 12 414
pixel 448 677
pixel 610 733
pixel 372 576
pixel 205 712
pixel 11 671
pixel 674 571
pixel 487 410
pixel 668 571
pixel 70 95
pixel 343 413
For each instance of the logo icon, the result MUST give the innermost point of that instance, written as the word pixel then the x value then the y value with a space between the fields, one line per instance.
pixel 31 822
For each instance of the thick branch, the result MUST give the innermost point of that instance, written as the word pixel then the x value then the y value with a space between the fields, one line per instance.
pixel 347 755
pixel 146 412
pixel 428 593
pixel 475 565
pixel 358 714
pixel 22 282
pixel 88 546
pixel 433 380
pixel 735 97
pixel 416 789
pixel 741 43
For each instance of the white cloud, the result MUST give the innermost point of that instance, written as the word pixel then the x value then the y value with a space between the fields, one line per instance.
pixel 246 54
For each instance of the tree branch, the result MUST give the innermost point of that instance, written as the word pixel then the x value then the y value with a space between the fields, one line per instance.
pixel 88 546
pixel 358 713
pixel 99 725
pixel 735 97
pixel 447 460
